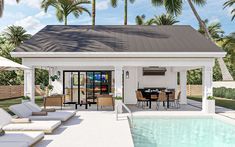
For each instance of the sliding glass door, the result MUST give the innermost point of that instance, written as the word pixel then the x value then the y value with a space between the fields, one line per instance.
pixel 85 86
pixel 71 86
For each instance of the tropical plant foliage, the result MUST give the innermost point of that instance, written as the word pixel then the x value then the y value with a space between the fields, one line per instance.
pixel 224 92
pixel 8 42
pixel 214 29
pixel 16 35
pixel 164 19
pixel 66 7
pixel 230 3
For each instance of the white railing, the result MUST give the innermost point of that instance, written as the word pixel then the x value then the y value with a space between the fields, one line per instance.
pixel 128 110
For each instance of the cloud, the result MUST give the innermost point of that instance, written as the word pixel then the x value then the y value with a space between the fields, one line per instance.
pixel 43 15
pixel 31 23
pixel 102 5
pixel 214 20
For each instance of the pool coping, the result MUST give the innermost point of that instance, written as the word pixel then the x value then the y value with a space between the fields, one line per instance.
pixel 184 114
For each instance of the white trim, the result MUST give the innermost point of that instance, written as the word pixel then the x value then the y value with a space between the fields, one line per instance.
pixel 91 62
pixel 118 54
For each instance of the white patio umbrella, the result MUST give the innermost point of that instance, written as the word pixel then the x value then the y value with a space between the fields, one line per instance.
pixel 6 64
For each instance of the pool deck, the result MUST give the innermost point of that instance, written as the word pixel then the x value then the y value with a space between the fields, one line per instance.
pixel 91 129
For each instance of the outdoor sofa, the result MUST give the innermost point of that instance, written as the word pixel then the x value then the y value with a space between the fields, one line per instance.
pixel 7 123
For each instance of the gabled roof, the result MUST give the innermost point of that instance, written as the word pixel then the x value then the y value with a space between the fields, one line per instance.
pixel 57 38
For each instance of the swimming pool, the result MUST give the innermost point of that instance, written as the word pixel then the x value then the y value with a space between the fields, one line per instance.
pixel 182 132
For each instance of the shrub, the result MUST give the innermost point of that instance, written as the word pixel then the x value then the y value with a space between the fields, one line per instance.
pixel 224 92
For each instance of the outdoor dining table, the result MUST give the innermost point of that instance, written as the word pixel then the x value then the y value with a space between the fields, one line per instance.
pixel 148 96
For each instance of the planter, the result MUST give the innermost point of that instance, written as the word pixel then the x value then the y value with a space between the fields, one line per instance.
pixel 210 105
pixel 119 108
pixel 24 101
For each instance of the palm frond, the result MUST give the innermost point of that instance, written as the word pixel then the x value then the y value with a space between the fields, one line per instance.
pixel 165 19
pixel 173 7
pixel 200 2
pixel 139 20
pixel 16 35
pixel 132 1
pixel 157 2
pixel 114 3
pixel 66 7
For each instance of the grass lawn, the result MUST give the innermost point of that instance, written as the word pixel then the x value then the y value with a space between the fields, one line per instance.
pixel 223 102
pixel 6 103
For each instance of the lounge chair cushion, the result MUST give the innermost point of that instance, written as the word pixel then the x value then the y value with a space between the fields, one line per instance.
pixel 33 107
pixel 5 118
pixel 61 115
pixel 45 126
pixel 36 108
pixel 13 144
pixel 29 138
pixel 49 110
pixel 21 110
pixel 18 125
pixel 42 113
pixel 20 120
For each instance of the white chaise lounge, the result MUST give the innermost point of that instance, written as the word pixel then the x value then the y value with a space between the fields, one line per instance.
pixel 13 144
pixel 7 123
pixel 25 110
pixel 23 138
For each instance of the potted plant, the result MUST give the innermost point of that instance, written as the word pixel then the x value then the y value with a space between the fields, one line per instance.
pixel 46 88
pixel 118 104
pixel 53 78
pixel 49 89
pixel 25 99
pixel 210 104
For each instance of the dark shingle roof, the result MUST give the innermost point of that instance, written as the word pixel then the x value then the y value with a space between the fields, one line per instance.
pixel 118 39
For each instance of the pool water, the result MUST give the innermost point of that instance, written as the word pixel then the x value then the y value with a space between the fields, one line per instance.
pixel 182 132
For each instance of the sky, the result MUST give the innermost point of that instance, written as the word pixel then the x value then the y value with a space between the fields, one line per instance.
pixel 29 14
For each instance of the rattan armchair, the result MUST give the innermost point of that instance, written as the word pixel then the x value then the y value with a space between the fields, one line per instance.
pixel 105 100
pixel 140 98
pixel 54 100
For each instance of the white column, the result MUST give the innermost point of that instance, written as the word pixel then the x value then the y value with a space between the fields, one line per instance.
pixel 118 81
pixel 29 83
pixel 183 87
pixel 50 73
pixel 207 90
pixel 118 88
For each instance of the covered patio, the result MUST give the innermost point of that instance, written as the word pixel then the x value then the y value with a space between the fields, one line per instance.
pixel 127 74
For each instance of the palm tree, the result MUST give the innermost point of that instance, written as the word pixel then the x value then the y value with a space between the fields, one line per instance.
pixel 175 7
pixel 229 46
pixel 2 6
pixel 114 4
pixel 93 12
pixel 230 3
pixel 16 35
pixel 215 30
pixel 164 19
pixel 66 7
pixel 139 20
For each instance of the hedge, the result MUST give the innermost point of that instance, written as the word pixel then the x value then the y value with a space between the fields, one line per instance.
pixel 224 92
